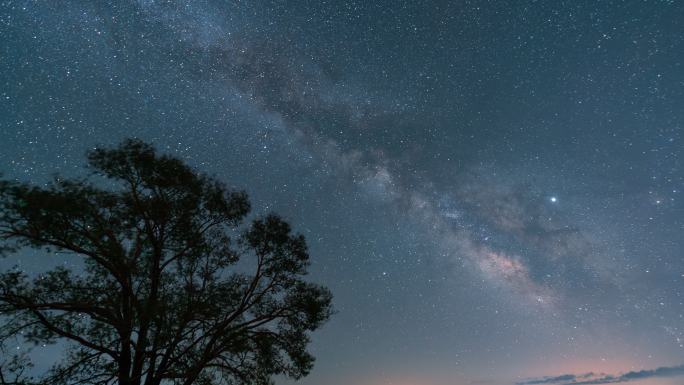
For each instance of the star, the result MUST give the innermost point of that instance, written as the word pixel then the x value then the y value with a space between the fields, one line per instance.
pixel 553 199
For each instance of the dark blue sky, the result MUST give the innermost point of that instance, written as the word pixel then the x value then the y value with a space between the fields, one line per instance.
pixel 493 190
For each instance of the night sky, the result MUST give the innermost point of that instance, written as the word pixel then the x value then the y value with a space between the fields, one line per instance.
pixel 493 191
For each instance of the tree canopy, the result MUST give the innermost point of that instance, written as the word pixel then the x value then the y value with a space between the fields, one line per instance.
pixel 173 285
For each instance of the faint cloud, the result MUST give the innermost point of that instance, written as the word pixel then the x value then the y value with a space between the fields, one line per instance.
pixel 595 379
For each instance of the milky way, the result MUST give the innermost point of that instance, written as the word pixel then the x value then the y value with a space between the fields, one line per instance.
pixel 492 191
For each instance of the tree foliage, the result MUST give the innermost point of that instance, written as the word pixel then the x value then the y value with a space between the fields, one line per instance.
pixel 173 285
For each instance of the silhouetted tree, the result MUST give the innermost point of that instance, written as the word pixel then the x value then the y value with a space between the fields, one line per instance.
pixel 172 286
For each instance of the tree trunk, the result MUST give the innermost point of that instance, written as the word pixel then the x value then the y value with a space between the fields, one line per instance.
pixel 125 361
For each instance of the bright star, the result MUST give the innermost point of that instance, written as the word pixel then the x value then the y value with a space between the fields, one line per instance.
pixel 553 199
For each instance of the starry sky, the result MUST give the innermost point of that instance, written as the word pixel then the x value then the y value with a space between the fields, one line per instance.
pixel 493 190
